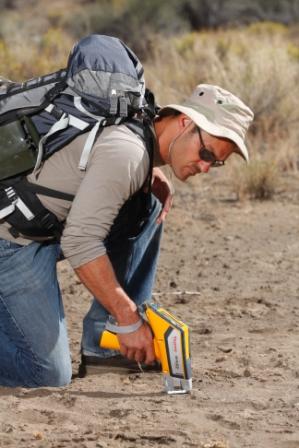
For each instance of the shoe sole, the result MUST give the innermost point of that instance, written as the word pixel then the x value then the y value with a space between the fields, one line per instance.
pixel 97 369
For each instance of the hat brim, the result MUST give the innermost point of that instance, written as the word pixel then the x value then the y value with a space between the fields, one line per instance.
pixel 218 131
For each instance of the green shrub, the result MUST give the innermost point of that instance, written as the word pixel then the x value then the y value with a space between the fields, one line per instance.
pixel 272 28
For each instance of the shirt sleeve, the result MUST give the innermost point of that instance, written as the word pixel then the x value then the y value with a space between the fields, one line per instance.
pixel 117 168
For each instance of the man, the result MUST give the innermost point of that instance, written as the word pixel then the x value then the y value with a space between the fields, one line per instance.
pixel 110 242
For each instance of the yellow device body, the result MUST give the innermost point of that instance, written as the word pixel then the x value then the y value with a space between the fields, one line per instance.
pixel 171 344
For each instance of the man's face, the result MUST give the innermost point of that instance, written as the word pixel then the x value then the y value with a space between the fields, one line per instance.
pixel 186 157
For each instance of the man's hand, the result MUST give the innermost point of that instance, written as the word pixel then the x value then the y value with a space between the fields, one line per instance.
pixel 162 189
pixel 99 277
pixel 138 346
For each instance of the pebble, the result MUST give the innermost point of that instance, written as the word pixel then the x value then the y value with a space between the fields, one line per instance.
pixel 101 445
pixel 38 435
pixel 247 372
pixel 216 445
pixel 221 359
pixel 225 349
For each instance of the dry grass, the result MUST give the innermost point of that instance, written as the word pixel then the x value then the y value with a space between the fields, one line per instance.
pixel 23 59
pixel 257 180
pixel 259 63
pixel 257 67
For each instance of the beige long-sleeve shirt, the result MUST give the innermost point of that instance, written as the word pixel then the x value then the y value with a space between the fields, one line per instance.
pixel 118 166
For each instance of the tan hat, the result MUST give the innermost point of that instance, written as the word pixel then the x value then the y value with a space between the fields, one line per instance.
pixel 218 112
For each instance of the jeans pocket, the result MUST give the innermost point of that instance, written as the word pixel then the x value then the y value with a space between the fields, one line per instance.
pixel 8 248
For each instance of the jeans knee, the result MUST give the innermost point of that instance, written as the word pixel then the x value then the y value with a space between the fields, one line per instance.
pixel 56 375
pixel 33 376
pixel 61 377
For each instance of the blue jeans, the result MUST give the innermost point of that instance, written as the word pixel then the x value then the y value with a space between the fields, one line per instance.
pixel 34 348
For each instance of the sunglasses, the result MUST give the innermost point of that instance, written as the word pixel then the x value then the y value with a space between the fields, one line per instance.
pixel 206 155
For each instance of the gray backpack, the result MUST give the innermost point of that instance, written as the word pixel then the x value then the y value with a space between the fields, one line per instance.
pixel 102 85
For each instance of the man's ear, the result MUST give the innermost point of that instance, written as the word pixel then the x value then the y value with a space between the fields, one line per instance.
pixel 184 120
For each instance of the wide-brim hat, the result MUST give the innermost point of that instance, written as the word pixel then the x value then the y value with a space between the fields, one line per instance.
pixel 218 112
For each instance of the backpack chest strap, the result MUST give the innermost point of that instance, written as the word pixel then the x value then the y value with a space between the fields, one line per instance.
pixel 73 121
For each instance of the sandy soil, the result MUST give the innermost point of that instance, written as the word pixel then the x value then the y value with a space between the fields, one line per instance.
pixel 230 270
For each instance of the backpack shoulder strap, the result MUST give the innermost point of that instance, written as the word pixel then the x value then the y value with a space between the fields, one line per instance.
pixel 143 128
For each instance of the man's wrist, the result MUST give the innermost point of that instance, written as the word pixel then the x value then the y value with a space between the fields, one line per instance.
pixel 123 329
pixel 127 315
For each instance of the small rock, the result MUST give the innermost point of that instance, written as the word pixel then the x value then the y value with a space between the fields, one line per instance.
pixel 225 349
pixel 216 445
pixel 101 445
pixel 281 363
pixel 247 372
pixel 38 435
pixel 204 330
pixel 181 300
pixel 221 359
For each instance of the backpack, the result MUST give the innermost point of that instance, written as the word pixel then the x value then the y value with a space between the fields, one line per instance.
pixel 102 85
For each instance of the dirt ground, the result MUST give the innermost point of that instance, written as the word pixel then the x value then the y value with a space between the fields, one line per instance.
pixel 231 271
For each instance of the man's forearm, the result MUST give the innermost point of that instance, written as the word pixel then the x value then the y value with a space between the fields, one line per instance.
pixel 99 278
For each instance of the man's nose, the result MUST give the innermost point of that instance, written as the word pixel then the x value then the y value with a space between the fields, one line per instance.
pixel 204 166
